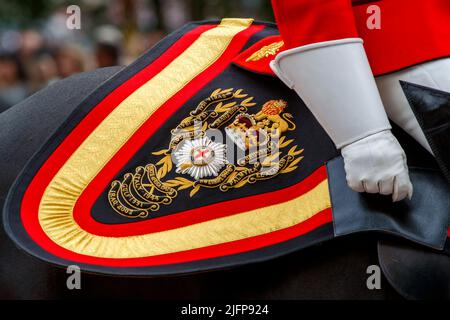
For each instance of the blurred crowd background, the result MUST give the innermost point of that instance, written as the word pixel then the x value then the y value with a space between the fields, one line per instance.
pixel 37 48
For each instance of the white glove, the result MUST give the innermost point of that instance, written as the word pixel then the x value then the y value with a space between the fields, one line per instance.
pixel 377 164
pixel 335 81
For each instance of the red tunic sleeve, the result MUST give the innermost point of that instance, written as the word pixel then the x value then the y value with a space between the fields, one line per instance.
pixel 303 22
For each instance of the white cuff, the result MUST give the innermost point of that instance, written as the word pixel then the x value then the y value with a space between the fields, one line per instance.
pixel 335 81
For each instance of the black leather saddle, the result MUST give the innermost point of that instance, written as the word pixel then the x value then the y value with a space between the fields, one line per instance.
pixel 409 266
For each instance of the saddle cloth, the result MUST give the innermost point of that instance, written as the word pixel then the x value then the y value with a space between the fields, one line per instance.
pixel 187 160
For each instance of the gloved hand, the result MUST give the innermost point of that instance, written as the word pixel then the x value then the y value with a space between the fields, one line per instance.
pixel 377 164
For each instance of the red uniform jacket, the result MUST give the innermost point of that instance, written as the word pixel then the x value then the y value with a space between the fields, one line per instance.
pixel 412 31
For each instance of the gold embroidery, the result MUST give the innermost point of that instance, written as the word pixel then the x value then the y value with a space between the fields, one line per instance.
pixel 60 196
pixel 266 51
pixel 227 229
pixel 257 134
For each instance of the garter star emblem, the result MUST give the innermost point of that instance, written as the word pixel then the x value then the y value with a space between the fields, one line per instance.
pixel 200 158
pixel 259 134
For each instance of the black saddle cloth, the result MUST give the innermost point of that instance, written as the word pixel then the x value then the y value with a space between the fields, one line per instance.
pixel 333 270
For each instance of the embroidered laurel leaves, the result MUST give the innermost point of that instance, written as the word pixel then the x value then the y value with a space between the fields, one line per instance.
pixel 165 166
pixel 294 164
pixel 220 107
pixel 248 102
pixel 294 152
pixel 205 126
pixel 194 191
pixel 221 91
pixel 238 94
pixel 160 152
pixel 282 143
pixel 180 183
